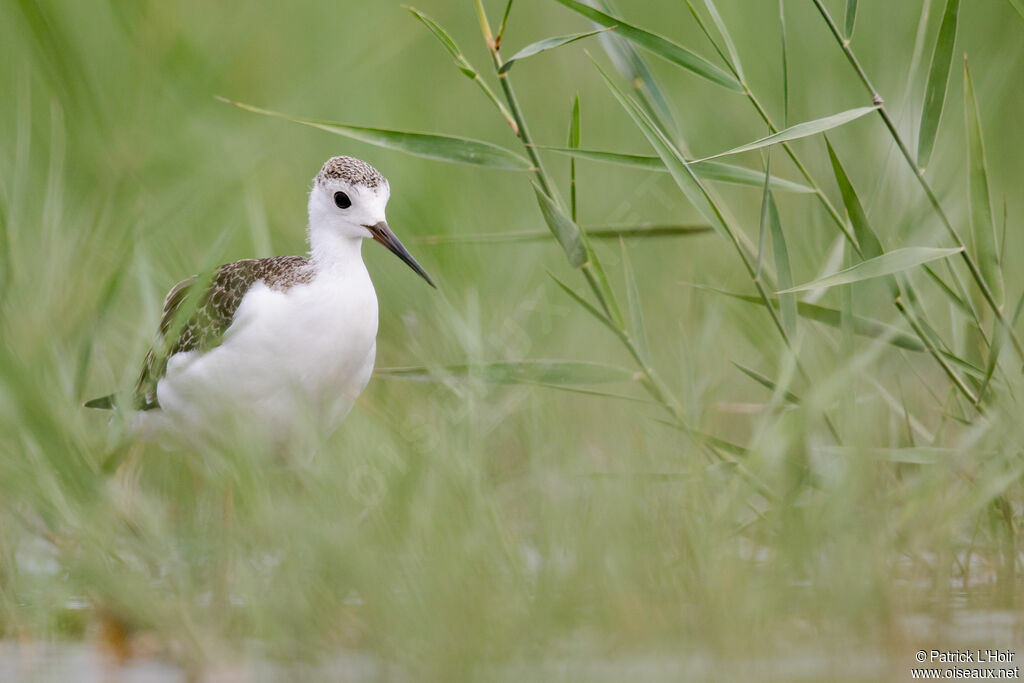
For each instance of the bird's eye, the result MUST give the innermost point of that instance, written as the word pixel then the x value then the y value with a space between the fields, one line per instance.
pixel 341 200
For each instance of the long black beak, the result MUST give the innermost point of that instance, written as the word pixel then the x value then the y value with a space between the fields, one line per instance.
pixel 382 233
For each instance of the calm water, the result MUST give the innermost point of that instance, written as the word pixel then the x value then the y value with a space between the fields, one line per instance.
pixel 964 629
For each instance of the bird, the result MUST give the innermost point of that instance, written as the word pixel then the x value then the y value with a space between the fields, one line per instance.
pixel 266 347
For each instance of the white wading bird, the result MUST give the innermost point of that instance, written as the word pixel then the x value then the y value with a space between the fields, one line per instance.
pixel 274 344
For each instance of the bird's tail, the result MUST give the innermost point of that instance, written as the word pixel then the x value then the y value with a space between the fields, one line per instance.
pixel 112 401
pixel 102 403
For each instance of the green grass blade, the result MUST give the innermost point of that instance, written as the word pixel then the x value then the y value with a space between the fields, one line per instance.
pixel 783 274
pixel 740 175
pixel 851 18
pixel 568 388
pixel 634 69
pixel 870 246
pixel 910 455
pixel 463 64
pixel 5 248
pixel 547 44
pixel 954 298
pixel 983 226
pixel 587 306
pixel 730 47
pixel 1002 234
pixel 938 78
pixel 514 372
pixel 766 382
pixel 636 313
pixel 1018 5
pixel 642 161
pixel 846 321
pixel 442 35
pixel 598 280
pixel 504 23
pixel 711 39
pixel 992 363
pixel 574 143
pixel 642 231
pixel 599 232
pixel 785 64
pixel 663 47
pixel 895 261
pixel 682 173
pixel 563 228
pixel 427 145
pixel 762 236
pixel 676 165
pixel 833 317
pixel 939 350
pixel 800 130
pixel 998 339
pixel 702 437
pixel 706 170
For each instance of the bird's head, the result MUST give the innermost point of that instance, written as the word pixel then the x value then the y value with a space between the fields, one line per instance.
pixel 348 199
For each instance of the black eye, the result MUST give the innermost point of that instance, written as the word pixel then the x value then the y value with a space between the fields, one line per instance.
pixel 341 200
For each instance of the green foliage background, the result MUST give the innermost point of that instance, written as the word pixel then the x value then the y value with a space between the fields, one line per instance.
pixel 456 526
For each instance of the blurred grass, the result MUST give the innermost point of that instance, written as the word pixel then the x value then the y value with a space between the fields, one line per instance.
pixel 455 525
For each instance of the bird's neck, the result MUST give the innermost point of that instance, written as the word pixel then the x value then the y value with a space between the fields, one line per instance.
pixel 334 252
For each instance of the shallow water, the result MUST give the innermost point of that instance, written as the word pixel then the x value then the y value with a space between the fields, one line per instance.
pixel 964 629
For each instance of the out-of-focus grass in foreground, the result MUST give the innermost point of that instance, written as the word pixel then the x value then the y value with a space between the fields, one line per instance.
pixel 758 471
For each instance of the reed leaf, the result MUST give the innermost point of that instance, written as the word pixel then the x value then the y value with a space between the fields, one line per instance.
pixel 504 24
pixel 439 32
pixel 448 148
pixel 833 317
pixel 706 170
pixel 676 165
pixel 730 47
pixel 983 227
pixel 574 143
pixel 547 44
pixel 895 261
pixel 711 39
pixel 598 280
pixel 563 228
pixel 683 174
pixel 1018 5
pixel 795 132
pixel 938 78
pixel 708 439
pixel 867 241
pixel 636 313
pixel 909 455
pixel 659 45
pixel 570 389
pixel 634 69
pixel 463 64
pixel 766 382
pixel 586 305
pixel 785 64
pixel 599 232
pixel 851 18
pixel 959 297
pixel 762 236
pixel 783 275
pixel 555 372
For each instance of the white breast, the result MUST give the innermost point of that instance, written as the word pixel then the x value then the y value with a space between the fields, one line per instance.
pixel 292 360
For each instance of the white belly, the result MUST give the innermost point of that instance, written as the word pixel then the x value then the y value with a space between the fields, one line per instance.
pixel 291 361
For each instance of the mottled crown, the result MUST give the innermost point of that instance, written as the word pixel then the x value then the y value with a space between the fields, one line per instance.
pixel 352 171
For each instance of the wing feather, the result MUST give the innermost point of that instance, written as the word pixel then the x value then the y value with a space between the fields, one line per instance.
pixel 203 320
